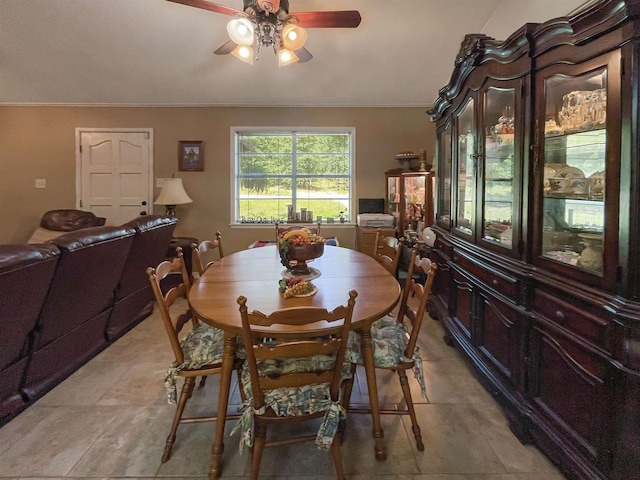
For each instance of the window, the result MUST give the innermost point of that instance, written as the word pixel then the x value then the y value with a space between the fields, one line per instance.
pixel 310 169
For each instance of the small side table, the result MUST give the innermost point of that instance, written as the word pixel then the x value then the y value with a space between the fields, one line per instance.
pixel 185 243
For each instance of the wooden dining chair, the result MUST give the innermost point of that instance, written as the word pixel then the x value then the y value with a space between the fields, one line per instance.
pixel 200 252
pixel 387 251
pixel 199 353
pixel 395 343
pixel 293 380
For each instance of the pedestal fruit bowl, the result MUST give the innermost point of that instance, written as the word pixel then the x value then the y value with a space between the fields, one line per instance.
pixel 297 248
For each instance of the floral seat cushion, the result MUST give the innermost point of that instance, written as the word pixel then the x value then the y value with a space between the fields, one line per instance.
pixel 389 339
pixel 202 346
pixel 292 401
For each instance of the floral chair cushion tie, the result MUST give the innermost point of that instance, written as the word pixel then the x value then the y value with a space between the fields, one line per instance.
pixel 293 401
pixel 389 340
pixel 202 346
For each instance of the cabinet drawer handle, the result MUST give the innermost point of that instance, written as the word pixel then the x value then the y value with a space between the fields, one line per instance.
pixel 559 315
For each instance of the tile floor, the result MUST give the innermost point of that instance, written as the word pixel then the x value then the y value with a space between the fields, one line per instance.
pixel 110 419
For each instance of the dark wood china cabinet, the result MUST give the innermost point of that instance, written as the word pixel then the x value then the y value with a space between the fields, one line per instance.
pixel 538 231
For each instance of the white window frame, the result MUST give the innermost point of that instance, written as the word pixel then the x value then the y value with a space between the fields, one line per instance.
pixel 351 131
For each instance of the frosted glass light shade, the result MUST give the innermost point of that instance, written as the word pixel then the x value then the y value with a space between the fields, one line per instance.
pixel 244 53
pixel 241 31
pixel 293 36
pixel 286 56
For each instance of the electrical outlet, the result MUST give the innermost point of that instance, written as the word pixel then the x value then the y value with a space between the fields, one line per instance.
pixel 41 183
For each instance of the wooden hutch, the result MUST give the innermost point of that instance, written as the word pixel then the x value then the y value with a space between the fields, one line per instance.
pixel 538 231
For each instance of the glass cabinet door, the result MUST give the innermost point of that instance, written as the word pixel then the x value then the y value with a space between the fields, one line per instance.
pixel 393 196
pixel 499 133
pixel 466 165
pixel 414 201
pixel 444 182
pixel 574 152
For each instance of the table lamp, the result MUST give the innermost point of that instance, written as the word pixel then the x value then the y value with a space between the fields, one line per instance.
pixel 172 194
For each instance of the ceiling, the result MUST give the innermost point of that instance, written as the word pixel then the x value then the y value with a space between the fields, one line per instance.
pixel 154 52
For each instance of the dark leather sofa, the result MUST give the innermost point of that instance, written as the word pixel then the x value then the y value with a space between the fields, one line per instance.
pixel 134 297
pixel 64 301
pixel 26 272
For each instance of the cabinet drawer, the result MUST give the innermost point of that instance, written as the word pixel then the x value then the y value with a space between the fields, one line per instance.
pixel 591 324
pixel 499 282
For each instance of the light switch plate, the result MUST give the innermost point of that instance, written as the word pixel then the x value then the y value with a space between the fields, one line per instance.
pixel 160 182
pixel 41 183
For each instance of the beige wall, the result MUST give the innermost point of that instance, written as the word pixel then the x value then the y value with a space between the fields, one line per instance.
pixel 39 142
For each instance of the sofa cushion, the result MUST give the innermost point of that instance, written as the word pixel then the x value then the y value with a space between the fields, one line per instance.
pixel 69 220
pixel 25 276
pixel 85 280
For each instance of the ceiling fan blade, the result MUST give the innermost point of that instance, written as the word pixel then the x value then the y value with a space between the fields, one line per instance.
pixel 212 7
pixel 226 48
pixel 303 55
pixel 337 19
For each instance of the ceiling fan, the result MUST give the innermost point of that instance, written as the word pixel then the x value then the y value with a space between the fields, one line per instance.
pixel 268 23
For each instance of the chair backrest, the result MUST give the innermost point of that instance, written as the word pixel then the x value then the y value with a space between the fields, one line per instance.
pixel 166 301
pixel 283 229
pixel 421 292
pixel 301 347
pixel 387 251
pixel 200 252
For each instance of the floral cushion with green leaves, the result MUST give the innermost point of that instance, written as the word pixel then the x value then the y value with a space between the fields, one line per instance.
pixel 389 339
pixel 203 346
pixel 293 401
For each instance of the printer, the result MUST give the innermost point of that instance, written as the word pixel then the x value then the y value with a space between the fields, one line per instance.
pixel 375 220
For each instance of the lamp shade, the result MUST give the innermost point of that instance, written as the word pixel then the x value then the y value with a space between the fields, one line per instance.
pixel 286 56
pixel 172 193
pixel 244 53
pixel 241 31
pixel 293 36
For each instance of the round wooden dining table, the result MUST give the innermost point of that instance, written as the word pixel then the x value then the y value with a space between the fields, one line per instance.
pixel 255 273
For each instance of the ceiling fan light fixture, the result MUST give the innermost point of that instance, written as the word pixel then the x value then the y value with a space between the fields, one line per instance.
pixel 244 53
pixel 241 31
pixel 286 56
pixel 269 6
pixel 293 36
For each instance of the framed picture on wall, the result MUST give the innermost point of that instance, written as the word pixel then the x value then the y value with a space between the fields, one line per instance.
pixel 191 156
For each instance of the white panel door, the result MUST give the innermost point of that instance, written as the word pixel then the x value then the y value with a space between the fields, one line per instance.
pixel 115 178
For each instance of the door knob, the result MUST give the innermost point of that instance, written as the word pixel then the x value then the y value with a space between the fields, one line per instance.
pixel 144 202
pixel 144 212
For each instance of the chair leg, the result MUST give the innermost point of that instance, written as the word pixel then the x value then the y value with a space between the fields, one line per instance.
pixel 259 439
pixel 337 456
pixel 185 395
pixel 406 391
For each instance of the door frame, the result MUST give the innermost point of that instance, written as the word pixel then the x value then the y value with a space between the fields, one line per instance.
pixel 80 130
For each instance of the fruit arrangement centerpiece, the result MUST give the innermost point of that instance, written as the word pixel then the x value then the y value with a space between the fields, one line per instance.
pixel 296 287
pixel 297 247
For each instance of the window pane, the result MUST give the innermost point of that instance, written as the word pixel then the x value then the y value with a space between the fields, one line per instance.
pixel 323 164
pixel 326 197
pixel 255 143
pixel 305 170
pixel 308 143
pixel 263 209
pixel 265 164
